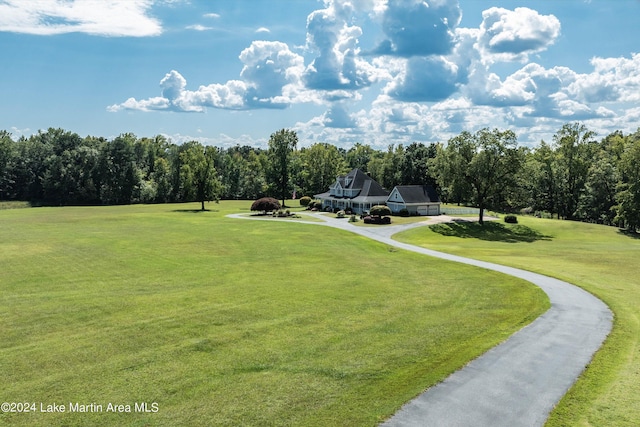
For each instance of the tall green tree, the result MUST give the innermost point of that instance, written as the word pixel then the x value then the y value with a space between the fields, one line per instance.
pixel 119 172
pixel 488 160
pixel 574 148
pixel 321 164
pixel 454 188
pixel 29 167
pixel 386 167
pixel 543 180
pixel 7 154
pixel 255 183
pixel 162 177
pixel 414 165
pixel 359 157
pixel 598 198
pixel 281 147
pixel 628 194
pixel 70 169
pixel 199 172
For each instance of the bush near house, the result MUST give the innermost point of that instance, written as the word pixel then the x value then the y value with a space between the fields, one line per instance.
pixel 380 210
pixel 314 204
pixel 305 201
pixel 404 212
pixel 376 219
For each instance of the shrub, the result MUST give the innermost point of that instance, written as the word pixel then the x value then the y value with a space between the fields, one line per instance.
pixel 305 200
pixel 526 211
pixel 340 214
pixel 403 212
pixel 353 219
pixel 381 210
pixel 511 219
pixel 375 219
pixel 265 204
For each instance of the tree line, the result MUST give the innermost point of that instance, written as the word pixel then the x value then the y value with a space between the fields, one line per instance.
pixel 575 176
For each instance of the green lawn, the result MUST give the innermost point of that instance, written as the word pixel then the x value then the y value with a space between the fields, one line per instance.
pixel 600 259
pixel 224 321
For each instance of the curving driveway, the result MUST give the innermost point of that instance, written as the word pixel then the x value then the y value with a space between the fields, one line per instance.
pixel 518 382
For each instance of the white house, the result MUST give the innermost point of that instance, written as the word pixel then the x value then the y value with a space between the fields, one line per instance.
pixel 359 192
pixel 355 190
pixel 417 199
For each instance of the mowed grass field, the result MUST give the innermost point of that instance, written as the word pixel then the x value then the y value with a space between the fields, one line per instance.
pixel 602 260
pixel 219 321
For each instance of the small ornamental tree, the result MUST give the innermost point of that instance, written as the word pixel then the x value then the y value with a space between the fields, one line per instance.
pixel 265 204
pixel 381 210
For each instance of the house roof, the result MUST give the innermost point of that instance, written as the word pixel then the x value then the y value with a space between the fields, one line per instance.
pixel 418 193
pixel 371 188
pixel 358 180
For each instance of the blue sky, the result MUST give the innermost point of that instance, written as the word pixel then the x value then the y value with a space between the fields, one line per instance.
pixel 377 72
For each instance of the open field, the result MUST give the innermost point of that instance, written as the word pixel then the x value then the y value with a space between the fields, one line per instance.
pixel 229 322
pixel 602 260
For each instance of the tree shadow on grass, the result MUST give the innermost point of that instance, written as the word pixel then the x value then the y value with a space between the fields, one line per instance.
pixel 492 231
pixel 628 233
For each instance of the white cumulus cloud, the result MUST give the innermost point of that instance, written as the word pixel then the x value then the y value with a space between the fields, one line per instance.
pixel 101 18
pixel 419 27
pixel 507 35
pixel 338 64
pixel 270 78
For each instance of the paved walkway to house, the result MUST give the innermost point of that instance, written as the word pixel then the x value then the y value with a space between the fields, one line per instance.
pixel 518 382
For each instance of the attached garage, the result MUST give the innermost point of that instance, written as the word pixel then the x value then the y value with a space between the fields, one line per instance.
pixel 416 199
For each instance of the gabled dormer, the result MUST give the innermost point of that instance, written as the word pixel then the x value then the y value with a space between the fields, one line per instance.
pixel 336 189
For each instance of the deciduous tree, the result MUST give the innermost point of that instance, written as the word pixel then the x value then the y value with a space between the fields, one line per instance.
pixel 199 171
pixel 488 160
pixel 321 164
pixel 628 195
pixel 281 146
pixel 575 148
